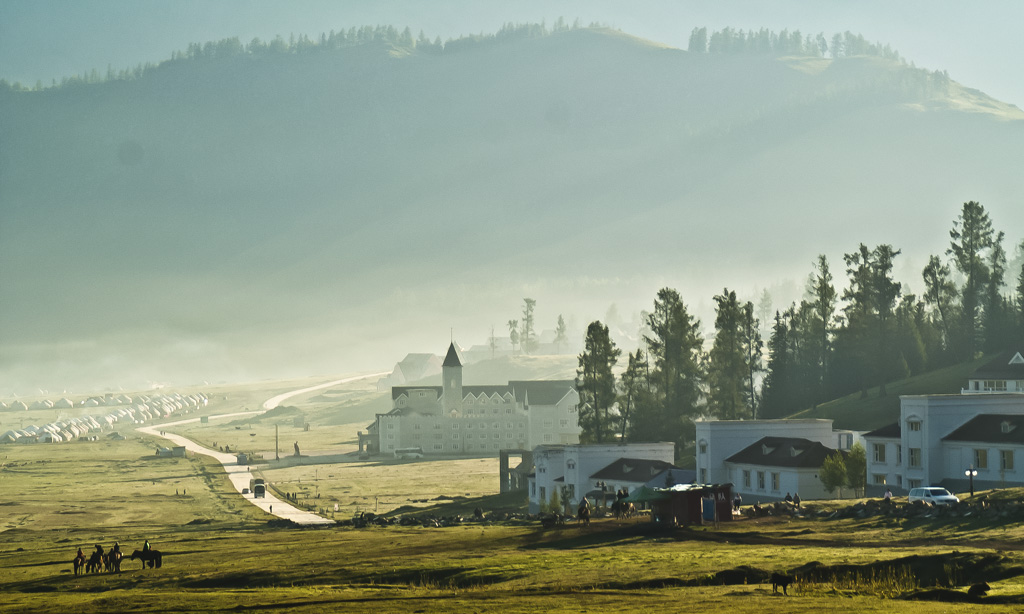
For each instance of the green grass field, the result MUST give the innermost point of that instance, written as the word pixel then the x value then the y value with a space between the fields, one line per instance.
pixel 223 554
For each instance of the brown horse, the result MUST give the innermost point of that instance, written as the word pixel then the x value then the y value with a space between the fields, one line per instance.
pixel 583 516
pixel 79 564
pixel 95 563
pixel 112 561
pixel 151 557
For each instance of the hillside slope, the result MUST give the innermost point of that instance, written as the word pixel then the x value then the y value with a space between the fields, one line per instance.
pixel 282 214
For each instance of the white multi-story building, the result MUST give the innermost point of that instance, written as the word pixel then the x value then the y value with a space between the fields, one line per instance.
pixel 765 459
pixel 456 420
pixel 576 470
pixel 940 437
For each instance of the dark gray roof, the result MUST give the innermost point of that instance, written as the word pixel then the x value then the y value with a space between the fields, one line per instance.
pixel 1000 367
pixel 891 431
pixel 542 392
pixel 783 452
pixel 397 391
pixel 452 358
pixel 632 470
pixel 989 428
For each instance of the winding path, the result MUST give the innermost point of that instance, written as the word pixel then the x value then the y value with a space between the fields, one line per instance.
pixel 240 474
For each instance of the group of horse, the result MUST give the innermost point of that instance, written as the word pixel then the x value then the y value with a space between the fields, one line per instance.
pixel 110 561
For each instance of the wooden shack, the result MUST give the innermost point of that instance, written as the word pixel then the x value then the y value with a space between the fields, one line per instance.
pixel 687 504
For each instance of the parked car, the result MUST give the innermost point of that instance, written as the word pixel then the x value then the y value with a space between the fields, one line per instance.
pixel 932 494
pixel 245 491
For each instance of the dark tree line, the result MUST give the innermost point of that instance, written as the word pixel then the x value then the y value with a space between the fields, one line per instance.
pixel 834 342
pixel 883 333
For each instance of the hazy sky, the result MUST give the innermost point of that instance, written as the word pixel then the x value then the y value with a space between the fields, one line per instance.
pixel 978 42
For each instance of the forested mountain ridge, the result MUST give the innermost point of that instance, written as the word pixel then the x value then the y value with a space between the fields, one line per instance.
pixel 237 208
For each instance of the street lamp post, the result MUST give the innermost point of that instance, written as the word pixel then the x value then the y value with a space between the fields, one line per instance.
pixel 970 473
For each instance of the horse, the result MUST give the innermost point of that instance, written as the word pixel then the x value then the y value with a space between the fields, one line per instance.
pixel 79 564
pixel 583 516
pixel 95 563
pixel 151 557
pixel 781 579
pixel 112 561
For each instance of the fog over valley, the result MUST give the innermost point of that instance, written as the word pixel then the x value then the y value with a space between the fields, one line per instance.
pixel 326 204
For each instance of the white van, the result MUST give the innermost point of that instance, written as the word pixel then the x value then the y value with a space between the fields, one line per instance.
pixel 407 453
pixel 932 494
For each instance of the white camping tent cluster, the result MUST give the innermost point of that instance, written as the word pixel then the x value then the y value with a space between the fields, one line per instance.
pixel 140 410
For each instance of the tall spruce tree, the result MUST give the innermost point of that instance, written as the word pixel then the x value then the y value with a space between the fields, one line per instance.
pixel 823 299
pixel 727 371
pixel 775 392
pixel 634 391
pixel 970 237
pixel 997 317
pixel 750 342
pixel 675 349
pixel 940 295
pixel 560 336
pixel 885 291
pixel 595 384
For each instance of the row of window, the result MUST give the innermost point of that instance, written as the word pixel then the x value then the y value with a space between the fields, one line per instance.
pixel 760 480
pixel 980 457
pixel 457 447
pixel 482 425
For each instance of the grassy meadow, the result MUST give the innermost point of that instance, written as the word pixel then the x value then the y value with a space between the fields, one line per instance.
pixel 223 554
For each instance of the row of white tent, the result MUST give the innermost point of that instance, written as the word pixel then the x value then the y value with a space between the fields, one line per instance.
pixel 109 400
pixel 159 406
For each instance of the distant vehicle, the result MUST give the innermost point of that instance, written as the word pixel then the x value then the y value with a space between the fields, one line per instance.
pixel 932 494
pixel 245 491
pixel 407 453
pixel 258 487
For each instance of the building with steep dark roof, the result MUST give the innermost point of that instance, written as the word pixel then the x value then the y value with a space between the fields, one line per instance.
pixel 940 437
pixel 1002 374
pixel 457 420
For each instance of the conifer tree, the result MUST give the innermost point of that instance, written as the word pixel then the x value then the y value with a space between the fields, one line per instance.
pixel 727 370
pixel 675 349
pixel 595 384
pixel 970 237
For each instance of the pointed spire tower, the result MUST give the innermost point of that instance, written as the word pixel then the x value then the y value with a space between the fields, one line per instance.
pixel 451 380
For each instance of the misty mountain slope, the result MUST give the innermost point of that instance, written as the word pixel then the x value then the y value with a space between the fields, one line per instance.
pixel 242 213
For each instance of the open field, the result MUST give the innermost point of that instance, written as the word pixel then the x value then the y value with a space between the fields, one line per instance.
pixel 222 554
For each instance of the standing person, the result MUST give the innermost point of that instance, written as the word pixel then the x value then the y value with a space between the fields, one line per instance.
pixel 796 499
pixel 146 547
pixel 789 498
pixel 737 502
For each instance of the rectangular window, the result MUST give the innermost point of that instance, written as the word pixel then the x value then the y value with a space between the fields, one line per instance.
pixel 533 489
pixel 899 481
pixel 543 495
pixel 878 478
pixel 775 481
pixel 455 435
pixel 995 385
pixel 760 480
pixel 703 476
pixel 391 435
pixel 879 452
pixel 455 426
pixel 914 425
pixel 915 457
pixel 746 478
pixel 899 454
pixel 980 458
pixel 1006 460
pixel 703 448
pixel 914 483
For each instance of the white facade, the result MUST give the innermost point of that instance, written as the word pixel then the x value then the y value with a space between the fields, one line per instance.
pixel 717 440
pixel 572 465
pixel 916 454
pixel 457 420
